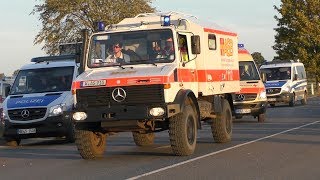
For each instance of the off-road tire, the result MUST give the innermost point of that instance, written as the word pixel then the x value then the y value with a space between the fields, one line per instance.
pixel 305 98
pixel 12 142
pixel 221 126
pixel 142 139
pixel 183 132
pixel 91 145
pixel 261 117
pixel 292 100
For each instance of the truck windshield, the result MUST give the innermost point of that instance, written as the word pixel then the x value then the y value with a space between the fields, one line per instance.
pixel 43 80
pixel 279 73
pixel 248 71
pixel 134 47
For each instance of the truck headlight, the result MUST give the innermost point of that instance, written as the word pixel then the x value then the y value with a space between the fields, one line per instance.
pixel 56 110
pixel 263 95
pixel 79 116
pixel 157 111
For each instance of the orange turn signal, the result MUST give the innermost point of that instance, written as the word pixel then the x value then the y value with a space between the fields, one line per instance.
pixel 167 86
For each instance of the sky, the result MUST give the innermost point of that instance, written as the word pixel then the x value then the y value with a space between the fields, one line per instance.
pixel 252 20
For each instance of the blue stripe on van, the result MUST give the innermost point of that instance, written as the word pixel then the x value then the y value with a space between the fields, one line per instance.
pixel 274 84
pixel 31 101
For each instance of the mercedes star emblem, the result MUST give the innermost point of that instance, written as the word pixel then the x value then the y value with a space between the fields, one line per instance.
pixel 241 97
pixel 119 94
pixel 25 113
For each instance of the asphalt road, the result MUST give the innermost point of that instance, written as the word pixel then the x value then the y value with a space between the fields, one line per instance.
pixel 286 146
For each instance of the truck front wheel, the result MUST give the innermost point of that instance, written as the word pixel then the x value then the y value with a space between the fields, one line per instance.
pixel 142 139
pixel 12 142
pixel 221 126
pixel 91 145
pixel 183 132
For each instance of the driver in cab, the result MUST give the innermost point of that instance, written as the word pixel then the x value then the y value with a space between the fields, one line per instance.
pixel 117 56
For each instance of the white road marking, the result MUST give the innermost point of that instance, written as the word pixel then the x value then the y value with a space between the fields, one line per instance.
pixel 217 152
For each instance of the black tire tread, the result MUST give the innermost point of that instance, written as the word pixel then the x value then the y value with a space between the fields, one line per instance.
pixel 218 126
pixel 86 148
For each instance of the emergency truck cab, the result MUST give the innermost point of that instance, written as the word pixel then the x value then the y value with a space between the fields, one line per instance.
pixel 252 99
pixel 286 82
pixel 39 100
pixel 178 73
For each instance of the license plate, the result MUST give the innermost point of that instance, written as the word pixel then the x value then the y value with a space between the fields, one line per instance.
pixel 243 111
pixel 272 99
pixel 26 131
pixel 94 83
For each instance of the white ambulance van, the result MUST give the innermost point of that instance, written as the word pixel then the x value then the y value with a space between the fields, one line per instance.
pixel 286 82
pixel 251 99
pixel 39 100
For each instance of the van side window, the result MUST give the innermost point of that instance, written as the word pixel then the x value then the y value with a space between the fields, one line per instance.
pixel 212 42
pixel 301 72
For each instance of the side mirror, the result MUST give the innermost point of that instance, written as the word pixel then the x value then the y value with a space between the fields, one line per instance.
pixel 7 90
pixel 295 77
pixel 195 44
pixel 263 77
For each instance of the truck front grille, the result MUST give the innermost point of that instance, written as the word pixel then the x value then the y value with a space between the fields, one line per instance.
pixel 246 97
pixel 27 114
pixel 134 95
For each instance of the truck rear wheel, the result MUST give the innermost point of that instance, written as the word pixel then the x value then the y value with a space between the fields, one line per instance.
pixel 91 145
pixel 221 126
pixel 183 132
pixel 142 139
pixel 12 142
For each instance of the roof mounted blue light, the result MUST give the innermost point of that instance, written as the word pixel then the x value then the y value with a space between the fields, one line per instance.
pixel 101 26
pixel 166 20
pixel 240 45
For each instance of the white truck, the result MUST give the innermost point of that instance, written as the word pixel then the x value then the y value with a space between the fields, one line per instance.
pixel 39 100
pixel 156 91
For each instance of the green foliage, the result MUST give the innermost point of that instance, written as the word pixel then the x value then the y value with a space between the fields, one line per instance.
pixel 62 20
pixel 258 58
pixel 298 33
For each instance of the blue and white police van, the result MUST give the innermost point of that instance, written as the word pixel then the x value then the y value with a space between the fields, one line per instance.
pixel 286 82
pixel 40 99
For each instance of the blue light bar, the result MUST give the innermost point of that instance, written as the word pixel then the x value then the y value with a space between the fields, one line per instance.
pixel 166 20
pixel 101 26
pixel 240 45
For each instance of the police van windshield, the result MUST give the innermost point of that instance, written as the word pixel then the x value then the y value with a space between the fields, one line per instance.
pixel 43 80
pixel 279 73
pixel 134 47
pixel 248 71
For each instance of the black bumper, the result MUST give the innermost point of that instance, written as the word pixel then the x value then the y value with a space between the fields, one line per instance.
pixel 50 127
pixel 284 98
pixel 126 112
pixel 255 108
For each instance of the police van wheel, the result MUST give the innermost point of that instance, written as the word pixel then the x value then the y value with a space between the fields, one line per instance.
pixel 12 142
pixel 272 105
pixel 70 136
pixel 91 145
pixel 221 127
pixel 142 139
pixel 292 100
pixel 183 132
pixel 304 100
pixel 261 117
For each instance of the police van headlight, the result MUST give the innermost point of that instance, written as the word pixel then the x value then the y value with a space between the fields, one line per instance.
pixel 3 118
pixel 263 95
pixel 286 89
pixel 57 110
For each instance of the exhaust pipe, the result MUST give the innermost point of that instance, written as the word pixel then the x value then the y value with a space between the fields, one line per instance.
pixel 85 42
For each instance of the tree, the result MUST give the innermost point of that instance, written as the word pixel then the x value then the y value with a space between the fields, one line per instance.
pixel 62 20
pixel 298 33
pixel 15 73
pixel 258 58
pixel 2 76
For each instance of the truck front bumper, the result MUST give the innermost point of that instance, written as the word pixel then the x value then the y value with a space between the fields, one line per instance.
pixel 250 108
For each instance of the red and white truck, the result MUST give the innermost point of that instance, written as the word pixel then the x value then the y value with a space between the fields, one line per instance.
pixel 154 90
